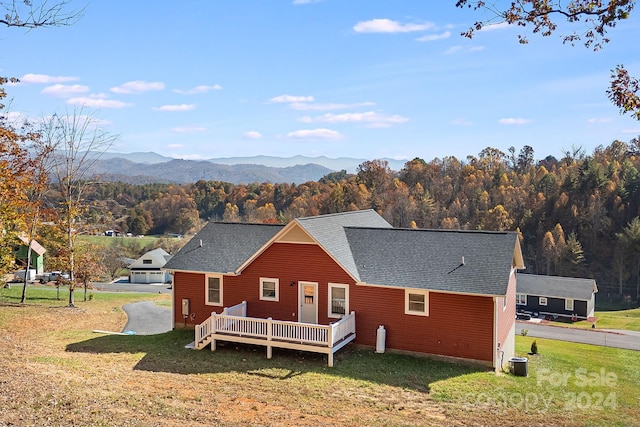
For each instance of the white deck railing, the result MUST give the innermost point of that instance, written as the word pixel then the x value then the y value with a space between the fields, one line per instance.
pixel 275 333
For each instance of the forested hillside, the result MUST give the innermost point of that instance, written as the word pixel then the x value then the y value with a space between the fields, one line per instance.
pixel 577 215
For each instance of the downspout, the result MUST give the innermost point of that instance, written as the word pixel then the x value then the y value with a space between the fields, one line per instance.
pixel 495 333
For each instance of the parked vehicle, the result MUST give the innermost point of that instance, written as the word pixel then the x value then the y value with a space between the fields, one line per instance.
pixel 18 276
pixel 52 276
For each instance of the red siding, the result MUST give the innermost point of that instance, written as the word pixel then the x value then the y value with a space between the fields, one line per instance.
pixel 457 325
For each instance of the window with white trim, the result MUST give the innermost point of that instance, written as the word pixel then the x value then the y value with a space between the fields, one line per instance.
pixel 521 299
pixel 568 304
pixel 338 300
pixel 416 302
pixel 269 289
pixel 542 301
pixel 213 290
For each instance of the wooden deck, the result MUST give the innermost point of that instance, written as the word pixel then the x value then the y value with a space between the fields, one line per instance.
pixel 233 325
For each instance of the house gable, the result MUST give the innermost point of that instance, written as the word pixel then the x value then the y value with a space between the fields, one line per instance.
pixel 152 260
pixel 295 234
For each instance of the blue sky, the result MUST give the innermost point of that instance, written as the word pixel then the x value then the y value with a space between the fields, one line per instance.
pixel 340 78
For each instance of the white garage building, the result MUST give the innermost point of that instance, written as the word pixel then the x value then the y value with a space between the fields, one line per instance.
pixel 147 268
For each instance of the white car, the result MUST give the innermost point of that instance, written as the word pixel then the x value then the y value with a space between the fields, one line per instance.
pixel 52 276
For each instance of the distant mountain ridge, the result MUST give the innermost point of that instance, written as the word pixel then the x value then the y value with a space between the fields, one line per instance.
pixel 347 163
pixel 150 167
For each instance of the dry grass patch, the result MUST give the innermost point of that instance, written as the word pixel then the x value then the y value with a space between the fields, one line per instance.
pixel 57 372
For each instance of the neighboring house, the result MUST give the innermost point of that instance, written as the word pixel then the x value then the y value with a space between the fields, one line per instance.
pixel 148 268
pixel 37 255
pixel 556 296
pixel 440 292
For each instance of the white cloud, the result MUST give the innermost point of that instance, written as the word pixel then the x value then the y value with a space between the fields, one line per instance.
pixel 306 1
pixel 514 121
pixel 45 79
pixel 389 26
pixel 453 49
pixel 461 122
pixel 65 91
pixel 97 102
pixel 198 89
pixel 175 146
pixel 137 86
pixel 176 107
pixel 291 98
pixel 460 49
pixel 252 134
pixel 15 118
pixel 189 129
pixel 633 131
pixel 370 118
pixel 434 37
pixel 499 26
pixel 600 120
pixel 315 134
pixel 328 106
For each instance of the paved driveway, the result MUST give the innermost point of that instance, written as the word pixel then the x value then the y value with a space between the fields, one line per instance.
pixel 620 339
pixel 147 318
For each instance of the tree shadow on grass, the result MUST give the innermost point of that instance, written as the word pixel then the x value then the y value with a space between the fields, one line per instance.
pixel 167 353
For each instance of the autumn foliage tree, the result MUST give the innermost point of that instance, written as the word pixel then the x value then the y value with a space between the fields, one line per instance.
pixel 19 179
pixel 594 18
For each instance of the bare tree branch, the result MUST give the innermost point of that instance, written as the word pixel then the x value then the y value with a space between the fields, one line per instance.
pixel 29 14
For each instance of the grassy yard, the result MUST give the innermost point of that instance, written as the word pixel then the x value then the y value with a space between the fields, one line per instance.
pixel 55 371
pixel 618 319
pixel 120 240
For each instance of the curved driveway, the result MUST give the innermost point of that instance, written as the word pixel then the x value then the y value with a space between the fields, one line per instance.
pixel 147 318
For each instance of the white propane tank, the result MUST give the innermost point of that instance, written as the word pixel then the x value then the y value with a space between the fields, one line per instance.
pixel 381 337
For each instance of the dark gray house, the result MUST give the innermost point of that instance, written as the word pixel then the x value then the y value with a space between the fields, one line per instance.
pixel 556 296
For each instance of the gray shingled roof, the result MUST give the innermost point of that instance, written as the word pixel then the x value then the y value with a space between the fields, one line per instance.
pixel 371 250
pixel 225 246
pixel 555 286
pixel 432 259
pixel 329 232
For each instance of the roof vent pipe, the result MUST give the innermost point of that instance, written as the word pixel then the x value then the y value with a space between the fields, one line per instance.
pixel 462 259
pixel 201 246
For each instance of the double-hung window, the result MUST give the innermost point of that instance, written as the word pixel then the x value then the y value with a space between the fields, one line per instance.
pixel 521 299
pixel 213 290
pixel 568 304
pixel 269 289
pixel 416 302
pixel 338 300
pixel 542 301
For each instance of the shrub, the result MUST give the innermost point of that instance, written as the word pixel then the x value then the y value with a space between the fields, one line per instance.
pixel 534 347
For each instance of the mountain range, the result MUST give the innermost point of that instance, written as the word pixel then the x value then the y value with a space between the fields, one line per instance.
pixel 150 167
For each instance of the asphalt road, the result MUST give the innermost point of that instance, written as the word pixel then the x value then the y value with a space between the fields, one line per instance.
pixel 620 339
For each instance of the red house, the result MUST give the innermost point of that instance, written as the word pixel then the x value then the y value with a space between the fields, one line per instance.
pixel 331 279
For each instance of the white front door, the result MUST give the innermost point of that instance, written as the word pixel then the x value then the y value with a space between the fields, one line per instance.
pixel 308 302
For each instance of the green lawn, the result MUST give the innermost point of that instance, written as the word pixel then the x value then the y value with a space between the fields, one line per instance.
pixel 618 319
pixel 121 240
